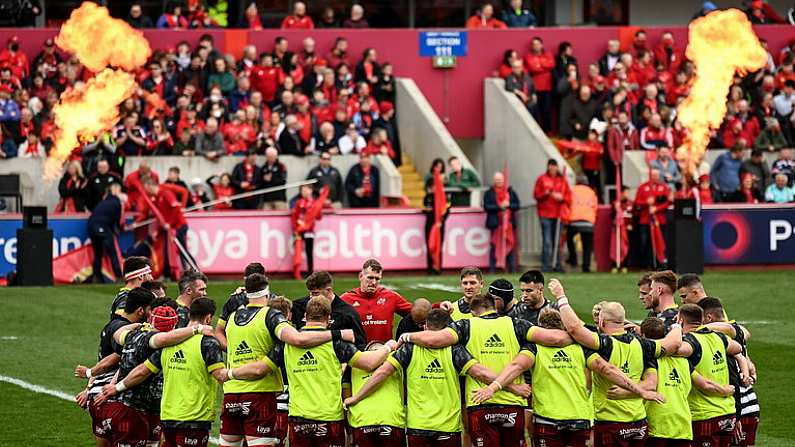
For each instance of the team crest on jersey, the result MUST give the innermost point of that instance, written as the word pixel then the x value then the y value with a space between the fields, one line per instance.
pixel 308 359
pixel 381 301
pixel 495 342
pixel 355 304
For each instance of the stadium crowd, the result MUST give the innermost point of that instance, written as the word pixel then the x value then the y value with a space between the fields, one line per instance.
pixel 196 102
pixel 317 369
pixel 626 101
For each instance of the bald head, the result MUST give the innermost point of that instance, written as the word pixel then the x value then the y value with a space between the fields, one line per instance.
pixel 611 317
pixel 419 311
pixel 498 180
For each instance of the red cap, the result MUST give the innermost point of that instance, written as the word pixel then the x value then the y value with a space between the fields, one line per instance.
pixel 599 79
pixel 301 99
pixel 5 88
pixel 756 4
pixel 385 106
pixel 163 318
pixel 321 62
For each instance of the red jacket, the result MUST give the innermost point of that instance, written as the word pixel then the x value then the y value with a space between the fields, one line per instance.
pixel 540 67
pixel 133 184
pixel 266 80
pixel 169 206
pixel 377 311
pixel 476 22
pixel 671 63
pixel 548 207
pixel 660 193
pixel 372 149
pixel 627 139
pixel 294 22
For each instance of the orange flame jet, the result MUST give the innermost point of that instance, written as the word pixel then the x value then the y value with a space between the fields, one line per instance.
pixel 87 110
pixel 720 44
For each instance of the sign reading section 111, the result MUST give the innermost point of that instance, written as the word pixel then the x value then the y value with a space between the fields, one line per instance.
pixel 443 43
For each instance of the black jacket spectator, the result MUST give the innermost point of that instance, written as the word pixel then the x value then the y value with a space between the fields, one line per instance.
pixel 97 185
pixel 290 143
pixel 492 209
pixel 278 177
pixel 328 176
pixel 576 113
pixel 243 182
pixel 68 188
pixel 358 181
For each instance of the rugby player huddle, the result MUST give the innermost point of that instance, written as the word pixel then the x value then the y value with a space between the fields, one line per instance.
pixel 458 373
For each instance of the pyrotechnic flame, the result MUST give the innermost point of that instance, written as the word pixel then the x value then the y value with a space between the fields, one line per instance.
pixel 87 110
pixel 720 44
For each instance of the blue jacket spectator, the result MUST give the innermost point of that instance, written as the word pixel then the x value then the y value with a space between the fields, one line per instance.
pixel 9 109
pixel 516 17
pixel 725 174
pixel 779 192
pixel 669 169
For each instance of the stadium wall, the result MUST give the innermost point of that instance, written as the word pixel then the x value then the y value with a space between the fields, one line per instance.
pixel 455 94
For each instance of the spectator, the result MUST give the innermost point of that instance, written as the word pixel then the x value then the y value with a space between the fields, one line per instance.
pixel 668 54
pixel 552 195
pixel 611 57
pixel 725 174
pixel 506 66
pixel 222 77
pixel 368 70
pixel 779 192
pixel 239 97
pixel 299 19
pixel 783 101
pixel 133 182
pixel 172 178
pixel 651 203
pixel 521 84
pixel 103 228
pixel 379 144
pixel 463 178
pixel 576 113
pixel 669 169
pixel 500 199
pixel 172 17
pixel 185 146
pixel 98 183
pixel 72 189
pixel 137 19
pixel 591 160
pixel 222 187
pixel 639 43
pixel 582 218
pixel 239 136
pixel 352 141
pixel 757 169
pixel 28 12
pixel 339 54
pixel 326 141
pixel 159 140
pixel 130 137
pixel 655 135
pixel 266 78
pixel 517 17
pixel 771 138
pixel 328 19
pixel 564 59
pixel 280 49
pixel 484 19
pixel 32 148
pixel 539 65
pixel 251 18
pixel 363 184
pixel 9 109
pixel 385 87
pixel 748 191
pixel 356 20
pixel 245 178
pixel 210 143
pixel 785 165
pixel 761 13
pixel 436 164
pixel 330 176
pixel 273 174
pixel 290 143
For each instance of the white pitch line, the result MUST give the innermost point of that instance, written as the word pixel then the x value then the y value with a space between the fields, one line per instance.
pixel 55 393
pixel 9 337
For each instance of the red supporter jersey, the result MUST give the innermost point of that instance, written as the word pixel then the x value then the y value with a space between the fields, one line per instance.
pixel 377 311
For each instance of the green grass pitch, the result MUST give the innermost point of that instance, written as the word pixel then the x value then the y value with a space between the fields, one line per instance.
pixel 45 332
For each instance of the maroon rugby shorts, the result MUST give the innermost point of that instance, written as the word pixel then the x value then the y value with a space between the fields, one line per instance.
pixel 379 436
pixel 715 432
pixel 100 419
pixel 317 434
pixel 438 440
pixel 503 426
pixel 185 437
pixel 249 414
pixel 548 435
pixel 620 434
pixel 128 426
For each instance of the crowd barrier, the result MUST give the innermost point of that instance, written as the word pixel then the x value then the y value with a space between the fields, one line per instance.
pixel 223 243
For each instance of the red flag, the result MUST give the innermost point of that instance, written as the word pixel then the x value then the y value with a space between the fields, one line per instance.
pixel 76 266
pixel 619 237
pixel 503 238
pixel 166 245
pixel 657 240
pixel 439 205
pixel 312 214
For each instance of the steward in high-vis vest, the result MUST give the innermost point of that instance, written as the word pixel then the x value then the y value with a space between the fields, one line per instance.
pixel 581 220
pixel 561 405
pixel 316 416
pixel 619 422
pixel 249 408
pixel 433 416
pixel 494 341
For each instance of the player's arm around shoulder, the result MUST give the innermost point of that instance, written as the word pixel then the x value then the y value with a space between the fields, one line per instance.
pixel 259 368
pixel 448 336
pixel 574 326
pixel 370 360
pixel 121 333
pixel 709 387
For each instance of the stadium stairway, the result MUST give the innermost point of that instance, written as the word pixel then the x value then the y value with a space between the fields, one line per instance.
pixel 413 189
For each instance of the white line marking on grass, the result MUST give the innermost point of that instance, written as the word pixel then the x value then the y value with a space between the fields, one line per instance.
pixel 9 337
pixel 54 393
pixel 437 286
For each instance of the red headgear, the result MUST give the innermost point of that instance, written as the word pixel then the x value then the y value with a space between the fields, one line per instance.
pixel 163 318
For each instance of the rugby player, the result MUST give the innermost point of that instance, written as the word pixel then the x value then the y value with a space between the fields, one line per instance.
pixel 249 408
pixel 158 288
pixel 531 284
pixel 136 309
pixel 343 315
pixel 190 372
pixel 494 341
pixel 714 417
pixel 433 408
pixel 375 304
pixel 617 422
pixel 134 413
pixel 137 270
pixel 502 291
pixel 660 299
pixel 471 285
pixel 237 300
pixel 191 285
pixel 415 322
pixel 561 405
pixel 745 399
pixel 691 289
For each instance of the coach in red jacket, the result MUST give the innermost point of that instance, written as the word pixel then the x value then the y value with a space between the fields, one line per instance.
pixel 553 197
pixel 376 305
pixel 652 199
pixel 170 207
